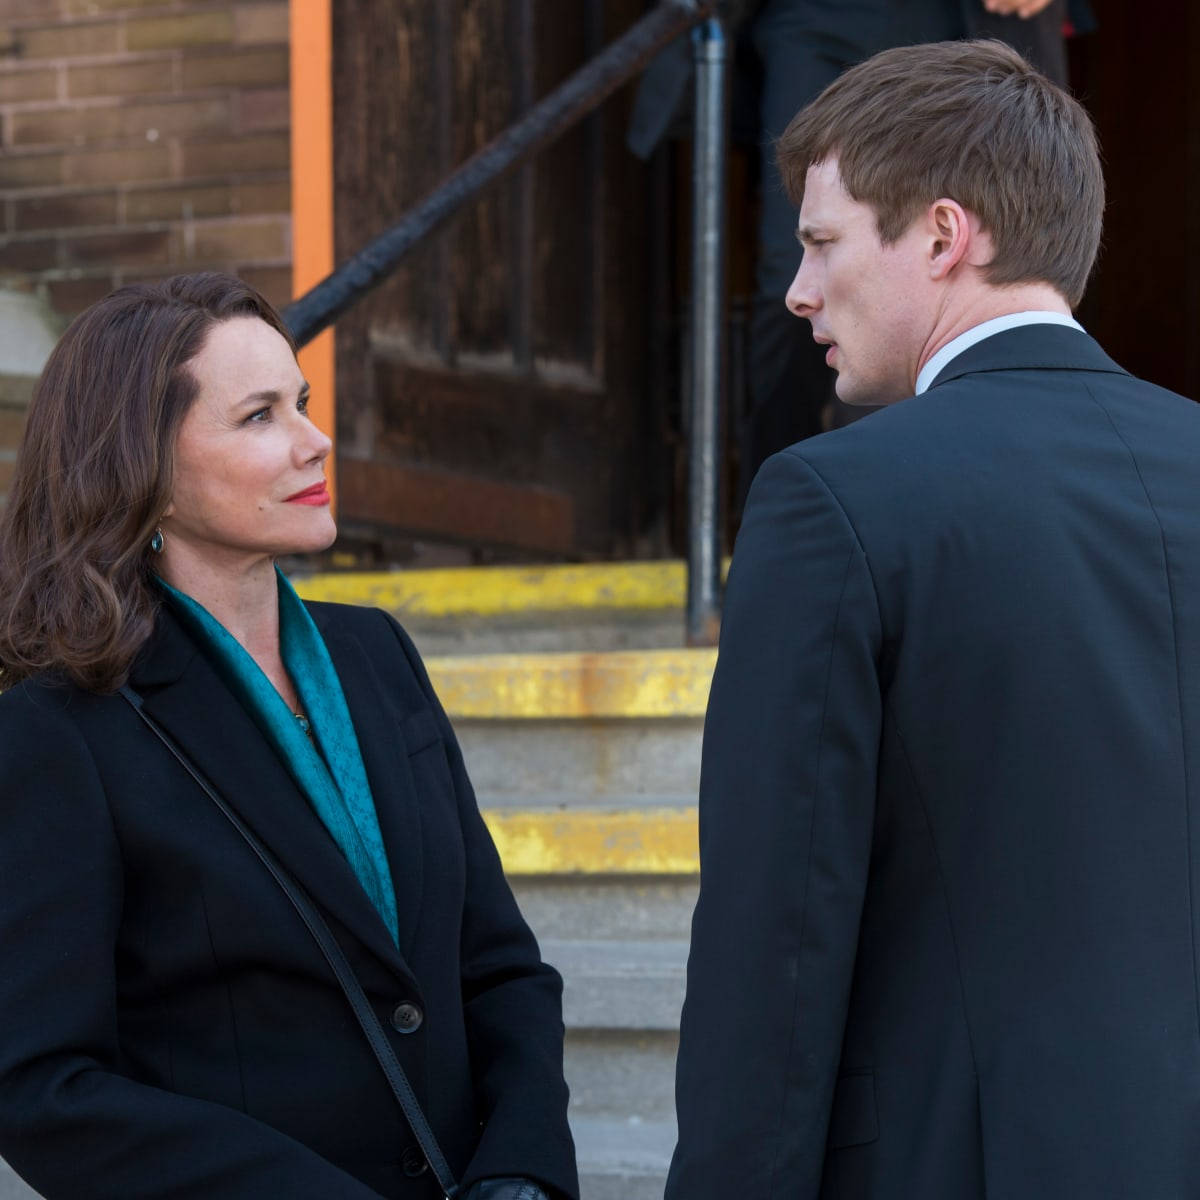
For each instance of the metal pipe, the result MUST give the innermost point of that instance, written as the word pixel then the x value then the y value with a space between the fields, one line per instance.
pixel 549 118
pixel 708 356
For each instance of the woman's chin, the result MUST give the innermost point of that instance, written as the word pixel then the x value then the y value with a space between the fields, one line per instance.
pixel 313 541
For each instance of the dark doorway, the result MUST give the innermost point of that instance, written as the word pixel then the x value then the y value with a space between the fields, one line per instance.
pixel 1135 76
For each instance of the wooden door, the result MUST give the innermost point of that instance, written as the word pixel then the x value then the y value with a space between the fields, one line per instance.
pixel 491 392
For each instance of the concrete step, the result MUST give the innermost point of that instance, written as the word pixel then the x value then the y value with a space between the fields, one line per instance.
pixel 12 1188
pixel 575 685
pixel 623 1158
pixel 495 593
pixel 477 610
pixel 641 907
pixel 621 1072
pixel 566 801
pixel 616 759
pixel 546 633
pixel 620 984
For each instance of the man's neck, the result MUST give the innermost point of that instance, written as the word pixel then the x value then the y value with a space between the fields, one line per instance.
pixel 985 304
pixel 934 366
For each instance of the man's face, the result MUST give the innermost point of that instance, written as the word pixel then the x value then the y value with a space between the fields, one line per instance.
pixel 869 302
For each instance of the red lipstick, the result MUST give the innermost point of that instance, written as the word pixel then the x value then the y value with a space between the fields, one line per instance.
pixel 316 495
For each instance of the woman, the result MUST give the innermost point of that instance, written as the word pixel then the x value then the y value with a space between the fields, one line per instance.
pixel 171 1029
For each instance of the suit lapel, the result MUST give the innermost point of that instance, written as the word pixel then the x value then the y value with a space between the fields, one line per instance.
pixel 377 723
pixel 1030 347
pixel 182 691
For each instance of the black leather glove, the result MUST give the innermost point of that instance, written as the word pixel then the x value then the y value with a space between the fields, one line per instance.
pixel 508 1188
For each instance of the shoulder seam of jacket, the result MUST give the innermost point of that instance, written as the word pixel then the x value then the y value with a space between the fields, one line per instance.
pixel 794 452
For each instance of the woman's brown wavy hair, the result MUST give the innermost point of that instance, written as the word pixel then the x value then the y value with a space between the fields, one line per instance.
pixel 95 472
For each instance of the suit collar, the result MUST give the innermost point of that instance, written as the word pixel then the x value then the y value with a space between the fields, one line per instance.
pixel 182 691
pixel 1030 347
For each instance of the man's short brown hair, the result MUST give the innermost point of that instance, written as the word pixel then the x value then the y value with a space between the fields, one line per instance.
pixel 967 121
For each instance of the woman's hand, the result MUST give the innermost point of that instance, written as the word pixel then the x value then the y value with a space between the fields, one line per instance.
pixel 1019 8
pixel 509 1188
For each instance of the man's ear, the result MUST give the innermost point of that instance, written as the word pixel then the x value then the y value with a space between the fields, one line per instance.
pixel 951 236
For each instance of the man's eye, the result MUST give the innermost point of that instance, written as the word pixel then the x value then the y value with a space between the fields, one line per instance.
pixel 302 404
pixel 260 416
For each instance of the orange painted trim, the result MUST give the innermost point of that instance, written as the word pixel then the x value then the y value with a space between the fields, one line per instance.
pixel 310 27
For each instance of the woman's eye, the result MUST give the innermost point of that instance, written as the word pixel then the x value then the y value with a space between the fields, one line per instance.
pixel 260 416
pixel 302 404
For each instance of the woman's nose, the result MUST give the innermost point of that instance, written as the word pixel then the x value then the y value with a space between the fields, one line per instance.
pixel 312 444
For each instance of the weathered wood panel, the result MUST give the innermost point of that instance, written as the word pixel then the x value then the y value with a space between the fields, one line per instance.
pixel 489 61
pixel 461 507
pixel 534 299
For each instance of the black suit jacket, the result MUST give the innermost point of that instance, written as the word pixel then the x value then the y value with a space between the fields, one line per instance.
pixel 170 1027
pixel 946 940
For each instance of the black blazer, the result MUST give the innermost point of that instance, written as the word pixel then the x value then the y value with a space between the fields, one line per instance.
pixel 946 941
pixel 170 1027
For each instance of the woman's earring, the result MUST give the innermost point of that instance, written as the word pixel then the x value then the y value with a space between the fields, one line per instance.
pixel 156 542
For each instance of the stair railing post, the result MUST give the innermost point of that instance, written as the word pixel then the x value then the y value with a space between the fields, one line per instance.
pixel 708 357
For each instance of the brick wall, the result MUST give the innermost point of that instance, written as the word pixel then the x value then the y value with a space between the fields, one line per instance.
pixel 141 138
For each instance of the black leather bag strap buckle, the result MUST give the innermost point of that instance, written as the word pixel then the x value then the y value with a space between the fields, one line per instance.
pixel 372 1027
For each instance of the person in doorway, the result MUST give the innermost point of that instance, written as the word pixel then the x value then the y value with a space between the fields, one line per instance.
pixel 171 1029
pixel 946 942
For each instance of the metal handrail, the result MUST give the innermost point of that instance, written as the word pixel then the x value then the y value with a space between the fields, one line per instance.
pixel 545 121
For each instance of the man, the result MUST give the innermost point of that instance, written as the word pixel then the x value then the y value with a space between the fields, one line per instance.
pixel 787 51
pixel 946 941
pixel 801 46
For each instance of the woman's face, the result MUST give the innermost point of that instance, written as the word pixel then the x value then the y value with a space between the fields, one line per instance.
pixel 249 464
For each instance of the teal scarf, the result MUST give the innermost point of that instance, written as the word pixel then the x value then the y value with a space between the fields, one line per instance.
pixel 336 785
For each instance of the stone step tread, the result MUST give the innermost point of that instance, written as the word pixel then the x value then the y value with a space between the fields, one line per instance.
pixel 584 801
pixel 642 908
pixel 623 1145
pixel 605 958
pixel 507 758
pixel 633 985
pixel 534 635
pixel 455 592
pixel 12 1188
pixel 643 841
pixel 609 684
pixel 621 1072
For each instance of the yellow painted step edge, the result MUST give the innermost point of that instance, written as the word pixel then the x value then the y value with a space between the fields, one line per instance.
pixel 506 591
pixel 612 684
pixel 652 841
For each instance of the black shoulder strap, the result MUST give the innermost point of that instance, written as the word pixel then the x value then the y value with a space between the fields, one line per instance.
pixel 371 1025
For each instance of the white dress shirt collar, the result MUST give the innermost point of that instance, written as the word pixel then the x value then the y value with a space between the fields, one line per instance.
pixel 953 348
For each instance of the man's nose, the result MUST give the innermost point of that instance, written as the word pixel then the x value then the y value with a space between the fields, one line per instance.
pixel 803 298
